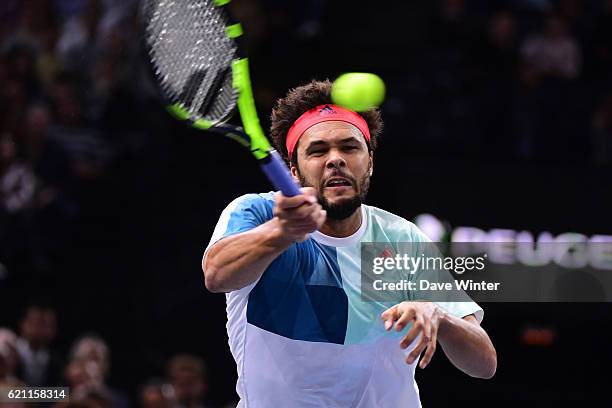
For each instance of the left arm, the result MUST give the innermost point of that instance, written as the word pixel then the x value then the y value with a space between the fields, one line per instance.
pixel 467 346
pixel 464 342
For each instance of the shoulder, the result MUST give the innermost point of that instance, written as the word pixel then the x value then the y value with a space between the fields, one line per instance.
pixel 242 214
pixel 395 226
pixel 247 210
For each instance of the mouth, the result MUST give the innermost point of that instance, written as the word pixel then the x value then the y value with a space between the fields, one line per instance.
pixel 338 182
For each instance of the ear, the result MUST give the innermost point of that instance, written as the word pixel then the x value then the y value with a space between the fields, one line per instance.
pixel 295 174
pixel 371 164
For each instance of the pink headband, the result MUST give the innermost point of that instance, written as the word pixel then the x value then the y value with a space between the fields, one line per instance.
pixel 324 113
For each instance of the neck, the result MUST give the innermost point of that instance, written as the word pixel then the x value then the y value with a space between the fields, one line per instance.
pixel 342 228
pixel 35 346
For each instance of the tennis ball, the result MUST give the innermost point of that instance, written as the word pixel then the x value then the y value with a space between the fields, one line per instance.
pixel 358 91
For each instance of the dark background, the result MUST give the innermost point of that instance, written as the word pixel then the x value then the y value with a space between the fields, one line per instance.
pixel 478 133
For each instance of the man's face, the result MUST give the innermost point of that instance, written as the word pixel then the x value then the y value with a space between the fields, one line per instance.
pixel 189 387
pixel 153 397
pixel 333 158
pixel 90 349
pixel 39 327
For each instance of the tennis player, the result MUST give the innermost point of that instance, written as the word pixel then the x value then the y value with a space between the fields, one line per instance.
pixel 290 267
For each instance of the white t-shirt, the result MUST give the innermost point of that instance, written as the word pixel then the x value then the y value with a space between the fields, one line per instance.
pixel 301 335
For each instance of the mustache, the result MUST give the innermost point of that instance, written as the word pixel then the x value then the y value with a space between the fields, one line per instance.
pixel 339 174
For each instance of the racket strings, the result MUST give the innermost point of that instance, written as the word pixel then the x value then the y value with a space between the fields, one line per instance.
pixel 192 55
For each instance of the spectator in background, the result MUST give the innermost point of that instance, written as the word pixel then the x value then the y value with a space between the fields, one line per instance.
pixel 549 123
pixel 86 384
pixel 19 84
pixel 54 204
pixel 34 16
pixel 8 363
pixel 85 378
pixel 84 34
pixel 17 181
pixel 87 151
pixel 497 64
pixel 188 377
pixel 92 348
pixel 48 62
pixel 77 42
pixel 9 357
pixel 45 156
pixel 156 393
pixel 17 189
pixel 88 370
pixel 40 366
pixel 552 53
pixel 502 51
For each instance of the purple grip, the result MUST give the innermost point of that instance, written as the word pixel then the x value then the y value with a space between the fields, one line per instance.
pixel 279 175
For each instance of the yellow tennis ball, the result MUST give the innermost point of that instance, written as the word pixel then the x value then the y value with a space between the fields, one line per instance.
pixel 358 91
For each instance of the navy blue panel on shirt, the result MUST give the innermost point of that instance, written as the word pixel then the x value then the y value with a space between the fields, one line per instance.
pixel 300 295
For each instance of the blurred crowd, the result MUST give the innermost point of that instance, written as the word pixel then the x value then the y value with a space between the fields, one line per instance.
pixel 523 79
pixel 32 359
pixel 515 80
pixel 68 70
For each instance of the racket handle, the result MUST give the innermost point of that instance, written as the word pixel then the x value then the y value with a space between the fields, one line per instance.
pixel 278 174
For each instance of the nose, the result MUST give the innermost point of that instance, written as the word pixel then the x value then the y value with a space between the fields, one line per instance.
pixel 335 160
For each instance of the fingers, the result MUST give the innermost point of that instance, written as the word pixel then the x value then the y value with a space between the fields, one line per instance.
pixel 423 342
pixel 308 216
pixel 321 217
pixel 424 319
pixel 389 316
pixel 431 348
pixel 406 315
pixel 308 196
pixel 417 327
pixel 299 215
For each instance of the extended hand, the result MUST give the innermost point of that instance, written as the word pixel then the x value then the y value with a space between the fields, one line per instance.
pixel 425 318
pixel 299 215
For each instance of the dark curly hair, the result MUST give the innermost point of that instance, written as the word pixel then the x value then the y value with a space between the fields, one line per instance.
pixel 303 98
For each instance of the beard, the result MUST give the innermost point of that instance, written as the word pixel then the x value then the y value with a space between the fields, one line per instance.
pixel 345 208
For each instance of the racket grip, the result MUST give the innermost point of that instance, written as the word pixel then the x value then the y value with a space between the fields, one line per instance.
pixel 278 174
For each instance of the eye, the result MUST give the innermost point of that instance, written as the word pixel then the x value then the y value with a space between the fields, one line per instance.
pixel 350 148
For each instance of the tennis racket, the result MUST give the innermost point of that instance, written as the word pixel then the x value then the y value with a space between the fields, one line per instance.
pixel 196 61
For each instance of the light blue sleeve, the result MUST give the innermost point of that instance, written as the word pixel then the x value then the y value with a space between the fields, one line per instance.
pixel 243 214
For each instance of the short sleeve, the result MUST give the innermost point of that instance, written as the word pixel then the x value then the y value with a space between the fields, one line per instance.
pixel 242 214
pixel 456 302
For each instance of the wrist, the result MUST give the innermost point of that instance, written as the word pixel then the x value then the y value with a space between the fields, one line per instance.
pixel 444 320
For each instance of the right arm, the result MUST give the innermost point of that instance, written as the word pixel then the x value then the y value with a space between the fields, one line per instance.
pixel 239 260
